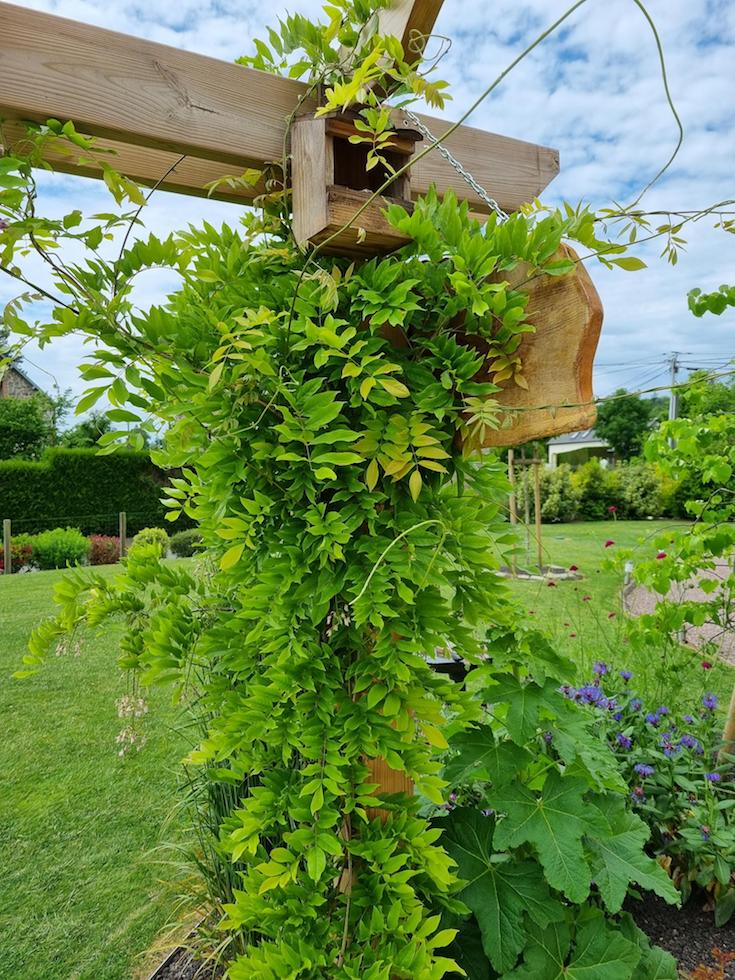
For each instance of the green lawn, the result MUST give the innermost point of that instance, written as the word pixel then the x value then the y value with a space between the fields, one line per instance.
pixel 80 894
pixel 584 616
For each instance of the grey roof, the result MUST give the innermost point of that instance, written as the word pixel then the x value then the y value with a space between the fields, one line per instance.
pixel 578 438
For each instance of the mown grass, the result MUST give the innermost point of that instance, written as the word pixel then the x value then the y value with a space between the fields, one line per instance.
pixel 82 891
pixel 80 894
pixel 584 616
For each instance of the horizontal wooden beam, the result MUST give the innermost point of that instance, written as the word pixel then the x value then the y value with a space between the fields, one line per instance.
pixel 153 103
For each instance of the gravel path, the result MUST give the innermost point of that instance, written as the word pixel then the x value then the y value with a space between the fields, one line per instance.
pixel 639 600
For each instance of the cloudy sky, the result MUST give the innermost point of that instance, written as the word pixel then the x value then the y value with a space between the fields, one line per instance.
pixel 593 90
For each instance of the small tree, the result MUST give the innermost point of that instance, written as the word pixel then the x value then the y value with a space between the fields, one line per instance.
pixel 624 421
pixel 26 427
pixel 86 434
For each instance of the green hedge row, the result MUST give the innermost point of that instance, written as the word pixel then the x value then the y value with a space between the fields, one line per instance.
pixel 633 491
pixel 78 488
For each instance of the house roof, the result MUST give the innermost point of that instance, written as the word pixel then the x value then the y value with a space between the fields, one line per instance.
pixel 14 368
pixel 576 438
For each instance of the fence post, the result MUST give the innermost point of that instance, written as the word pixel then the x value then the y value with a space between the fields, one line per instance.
pixel 122 530
pixel 7 556
pixel 513 506
pixel 537 510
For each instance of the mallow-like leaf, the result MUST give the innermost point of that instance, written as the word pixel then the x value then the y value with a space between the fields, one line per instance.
pixel 554 820
pixel 616 855
pixel 501 890
pixel 598 953
pixel 481 756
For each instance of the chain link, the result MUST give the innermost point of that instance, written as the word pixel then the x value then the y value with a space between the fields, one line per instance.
pixel 454 162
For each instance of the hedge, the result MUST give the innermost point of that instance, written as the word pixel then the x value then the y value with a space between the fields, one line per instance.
pixel 78 488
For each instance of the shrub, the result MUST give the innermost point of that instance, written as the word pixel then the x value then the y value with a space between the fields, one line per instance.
pixel 104 549
pixel 79 487
pixel 152 535
pixel 21 552
pixel 559 498
pixel 59 548
pixel 186 543
pixel 598 490
pixel 640 491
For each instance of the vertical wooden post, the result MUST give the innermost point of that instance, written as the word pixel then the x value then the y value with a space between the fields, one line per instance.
pixel 526 507
pixel 728 735
pixel 537 510
pixel 7 557
pixel 122 530
pixel 513 504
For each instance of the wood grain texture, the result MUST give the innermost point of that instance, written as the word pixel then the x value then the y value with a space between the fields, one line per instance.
pixel 557 359
pixel 141 95
pixel 411 21
pixel 389 781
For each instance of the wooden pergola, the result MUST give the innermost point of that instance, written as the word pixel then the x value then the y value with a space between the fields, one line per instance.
pixel 181 121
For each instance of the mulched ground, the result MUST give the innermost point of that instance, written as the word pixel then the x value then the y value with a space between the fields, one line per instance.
pixel 688 933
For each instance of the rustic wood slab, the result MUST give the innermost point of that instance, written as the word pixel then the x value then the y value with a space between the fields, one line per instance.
pixel 557 359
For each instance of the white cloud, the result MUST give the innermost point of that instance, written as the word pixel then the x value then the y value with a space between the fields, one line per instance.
pixel 593 90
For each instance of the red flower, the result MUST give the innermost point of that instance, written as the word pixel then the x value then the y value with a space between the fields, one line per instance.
pixel 661 554
pixel 706 665
pixel 573 568
pixel 609 543
pixel 612 510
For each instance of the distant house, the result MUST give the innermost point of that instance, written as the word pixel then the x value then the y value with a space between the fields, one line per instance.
pixel 578 447
pixel 16 384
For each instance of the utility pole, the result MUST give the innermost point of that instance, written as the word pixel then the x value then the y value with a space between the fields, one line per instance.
pixel 674 396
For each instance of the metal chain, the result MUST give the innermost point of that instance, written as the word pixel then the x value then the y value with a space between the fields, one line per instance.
pixel 454 162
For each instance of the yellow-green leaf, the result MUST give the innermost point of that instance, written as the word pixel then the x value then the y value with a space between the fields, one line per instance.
pixel 232 556
pixel 415 483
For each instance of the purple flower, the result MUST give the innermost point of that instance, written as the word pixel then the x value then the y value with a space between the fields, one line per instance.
pixel 618 716
pixel 689 742
pixel 713 777
pixel 626 675
pixel 623 741
pixel 652 719
pixel 705 831
pixel 668 746
pixel 643 769
pixel 548 737
pixel 662 711
pixel 636 704
pixel 600 668
pixel 488 813
pixel 688 719
pixel 638 795
pixel 710 701
pixel 589 694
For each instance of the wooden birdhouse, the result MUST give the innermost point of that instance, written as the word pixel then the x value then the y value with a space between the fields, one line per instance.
pixel 331 181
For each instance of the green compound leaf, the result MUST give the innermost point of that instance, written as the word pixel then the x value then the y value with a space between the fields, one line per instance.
pixel 554 821
pixel 502 893
pixel 617 857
